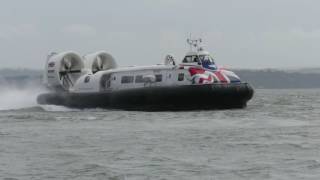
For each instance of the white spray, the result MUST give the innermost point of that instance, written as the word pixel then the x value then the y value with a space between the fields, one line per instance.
pixel 15 97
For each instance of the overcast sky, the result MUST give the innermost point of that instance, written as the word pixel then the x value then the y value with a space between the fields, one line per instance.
pixel 239 33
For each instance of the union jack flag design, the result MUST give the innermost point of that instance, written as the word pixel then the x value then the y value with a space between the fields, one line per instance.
pixel 203 76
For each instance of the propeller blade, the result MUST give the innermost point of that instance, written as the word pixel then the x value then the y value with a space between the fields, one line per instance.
pixel 67 63
pixel 66 81
pixel 99 63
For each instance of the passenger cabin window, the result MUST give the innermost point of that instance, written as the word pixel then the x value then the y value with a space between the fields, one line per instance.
pixel 191 59
pixel 208 62
pixel 180 77
pixel 195 59
pixel 139 79
pixel 158 77
pixel 126 79
pixel 206 59
pixel 187 59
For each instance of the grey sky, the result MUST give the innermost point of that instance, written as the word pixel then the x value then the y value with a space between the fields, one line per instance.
pixel 240 33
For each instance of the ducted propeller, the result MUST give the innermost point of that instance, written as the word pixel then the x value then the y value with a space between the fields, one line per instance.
pixel 99 61
pixel 63 70
pixel 67 68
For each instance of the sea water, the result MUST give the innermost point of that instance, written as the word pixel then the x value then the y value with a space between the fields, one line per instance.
pixel 276 137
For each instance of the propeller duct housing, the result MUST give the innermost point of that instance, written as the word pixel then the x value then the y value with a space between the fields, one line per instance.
pixel 63 70
pixel 99 61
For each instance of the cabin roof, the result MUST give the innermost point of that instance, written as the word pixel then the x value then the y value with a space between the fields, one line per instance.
pixel 138 68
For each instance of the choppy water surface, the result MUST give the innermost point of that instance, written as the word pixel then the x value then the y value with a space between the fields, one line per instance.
pixel 276 137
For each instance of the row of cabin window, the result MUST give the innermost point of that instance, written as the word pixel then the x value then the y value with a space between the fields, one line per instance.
pixel 139 78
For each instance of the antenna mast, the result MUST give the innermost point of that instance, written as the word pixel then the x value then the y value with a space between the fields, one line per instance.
pixel 194 43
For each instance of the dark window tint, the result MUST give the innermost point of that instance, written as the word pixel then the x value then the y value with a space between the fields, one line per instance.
pixel 158 77
pixel 180 77
pixel 87 79
pixel 126 79
pixel 139 79
pixel 187 59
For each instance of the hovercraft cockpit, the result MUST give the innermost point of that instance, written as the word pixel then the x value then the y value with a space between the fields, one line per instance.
pixel 198 57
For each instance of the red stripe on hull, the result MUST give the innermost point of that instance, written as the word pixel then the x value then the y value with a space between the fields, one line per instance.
pixel 220 77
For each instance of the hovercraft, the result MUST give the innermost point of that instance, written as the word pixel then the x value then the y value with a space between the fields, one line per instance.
pixel 95 81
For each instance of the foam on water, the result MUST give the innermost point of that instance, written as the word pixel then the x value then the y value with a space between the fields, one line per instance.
pixel 54 108
pixel 24 98
pixel 17 98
